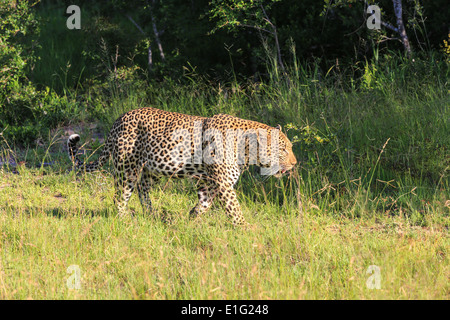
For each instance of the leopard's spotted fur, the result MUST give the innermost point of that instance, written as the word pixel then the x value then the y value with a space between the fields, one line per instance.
pixel 142 144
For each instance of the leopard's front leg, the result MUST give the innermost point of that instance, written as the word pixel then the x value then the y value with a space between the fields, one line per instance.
pixel 224 177
pixel 227 196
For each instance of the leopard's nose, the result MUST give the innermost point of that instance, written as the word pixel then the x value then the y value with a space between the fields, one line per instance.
pixel 293 161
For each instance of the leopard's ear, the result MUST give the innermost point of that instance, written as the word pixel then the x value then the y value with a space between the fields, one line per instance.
pixel 278 127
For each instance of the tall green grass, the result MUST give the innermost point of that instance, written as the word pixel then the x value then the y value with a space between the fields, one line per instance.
pixel 366 147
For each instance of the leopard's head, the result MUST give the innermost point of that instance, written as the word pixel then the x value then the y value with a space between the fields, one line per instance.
pixel 282 157
pixel 286 157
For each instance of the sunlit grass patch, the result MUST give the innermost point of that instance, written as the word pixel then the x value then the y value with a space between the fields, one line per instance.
pixel 51 222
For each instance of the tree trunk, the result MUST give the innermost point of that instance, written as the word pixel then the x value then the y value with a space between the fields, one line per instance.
pixel 400 26
pixel 155 31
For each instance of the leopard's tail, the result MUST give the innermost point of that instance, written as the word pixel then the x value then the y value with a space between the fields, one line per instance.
pixel 73 154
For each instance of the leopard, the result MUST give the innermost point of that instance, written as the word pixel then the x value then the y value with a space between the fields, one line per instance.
pixel 147 144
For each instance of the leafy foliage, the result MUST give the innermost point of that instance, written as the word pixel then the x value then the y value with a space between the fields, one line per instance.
pixel 236 13
pixel 18 96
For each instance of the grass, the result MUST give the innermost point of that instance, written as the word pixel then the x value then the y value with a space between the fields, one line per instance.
pixel 295 251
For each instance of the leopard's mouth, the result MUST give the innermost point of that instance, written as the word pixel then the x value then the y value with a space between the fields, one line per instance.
pixel 281 172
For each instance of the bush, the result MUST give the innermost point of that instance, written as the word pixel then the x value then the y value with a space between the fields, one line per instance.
pixel 26 112
pixel 17 96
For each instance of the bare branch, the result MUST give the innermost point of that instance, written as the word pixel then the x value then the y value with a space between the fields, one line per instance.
pixel 387 39
pixel 149 49
pixel 389 26
pixel 254 27
pixel 265 14
pixel 275 35
pixel 135 24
